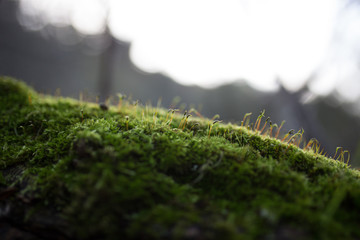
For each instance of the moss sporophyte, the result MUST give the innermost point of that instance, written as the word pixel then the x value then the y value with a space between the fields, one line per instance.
pixel 74 171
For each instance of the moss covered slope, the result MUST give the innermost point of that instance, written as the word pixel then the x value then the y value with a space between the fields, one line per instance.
pixel 73 170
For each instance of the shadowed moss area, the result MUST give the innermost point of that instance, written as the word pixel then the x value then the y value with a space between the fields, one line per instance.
pixel 139 172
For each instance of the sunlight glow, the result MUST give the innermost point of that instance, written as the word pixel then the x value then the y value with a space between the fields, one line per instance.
pixel 206 41
pixel 210 42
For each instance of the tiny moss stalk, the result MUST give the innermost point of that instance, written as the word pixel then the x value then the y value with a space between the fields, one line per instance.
pixel 266 121
pixel 246 119
pixel 212 124
pixel 127 122
pixel 258 120
pixel 182 120
pixel 279 128
pixel 185 121
pixel 287 134
pixel 29 98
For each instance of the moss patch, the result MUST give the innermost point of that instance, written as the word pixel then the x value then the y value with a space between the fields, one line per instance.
pixel 131 172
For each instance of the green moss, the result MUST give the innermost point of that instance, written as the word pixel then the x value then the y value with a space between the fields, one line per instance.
pixel 141 177
pixel 14 93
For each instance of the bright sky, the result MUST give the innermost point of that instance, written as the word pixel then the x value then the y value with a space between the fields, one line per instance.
pixel 209 42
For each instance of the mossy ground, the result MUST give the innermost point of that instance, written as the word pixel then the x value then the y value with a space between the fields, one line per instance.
pixel 128 173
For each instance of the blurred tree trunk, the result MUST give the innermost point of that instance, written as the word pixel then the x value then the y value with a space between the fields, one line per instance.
pixel 107 59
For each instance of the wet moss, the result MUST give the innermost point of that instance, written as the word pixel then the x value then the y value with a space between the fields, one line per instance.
pixel 106 175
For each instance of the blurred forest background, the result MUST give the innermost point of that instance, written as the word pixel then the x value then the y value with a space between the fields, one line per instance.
pixel 50 57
